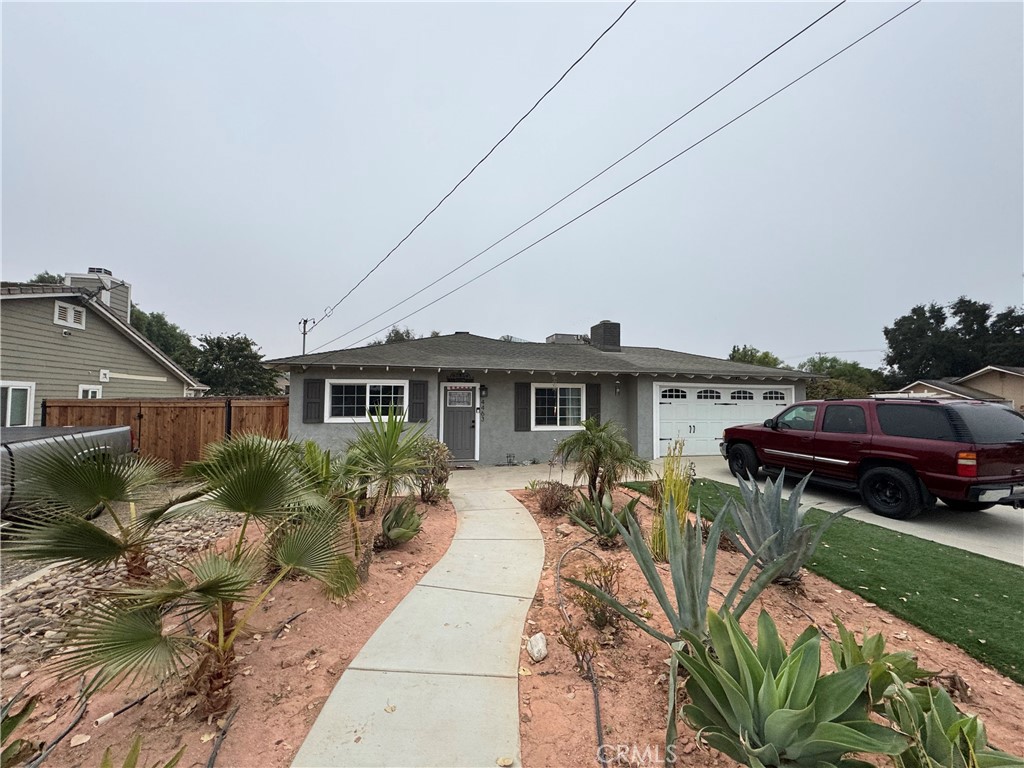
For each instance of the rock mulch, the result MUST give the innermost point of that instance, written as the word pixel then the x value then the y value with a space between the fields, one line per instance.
pixel 36 605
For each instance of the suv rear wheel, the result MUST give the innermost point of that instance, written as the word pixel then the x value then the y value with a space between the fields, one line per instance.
pixel 742 460
pixel 891 492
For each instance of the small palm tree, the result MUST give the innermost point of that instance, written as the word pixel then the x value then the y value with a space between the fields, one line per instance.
pixel 386 457
pixel 148 629
pixel 602 454
pixel 67 486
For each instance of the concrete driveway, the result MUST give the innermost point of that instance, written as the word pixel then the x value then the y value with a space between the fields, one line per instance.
pixel 997 532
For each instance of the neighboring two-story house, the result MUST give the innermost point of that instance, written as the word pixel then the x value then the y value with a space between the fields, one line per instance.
pixel 75 341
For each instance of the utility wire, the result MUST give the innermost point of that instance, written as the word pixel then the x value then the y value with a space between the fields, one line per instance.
pixel 589 181
pixel 649 173
pixel 328 312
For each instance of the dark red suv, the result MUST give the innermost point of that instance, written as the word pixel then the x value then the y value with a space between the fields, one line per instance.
pixel 901 454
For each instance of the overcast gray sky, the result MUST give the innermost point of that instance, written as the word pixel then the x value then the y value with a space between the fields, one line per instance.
pixel 242 165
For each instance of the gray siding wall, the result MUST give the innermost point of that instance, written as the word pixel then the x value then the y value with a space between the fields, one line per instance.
pixel 34 349
pixel 334 436
pixel 120 295
pixel 645 417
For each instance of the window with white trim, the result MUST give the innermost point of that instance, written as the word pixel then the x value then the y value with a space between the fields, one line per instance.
pixel 773 394
pixel 709 394
pixel 357 400
pixel 741 394
pixel 68 314
pixel 17 402
pixel 558 406
pixel 673 393
pixel 90 391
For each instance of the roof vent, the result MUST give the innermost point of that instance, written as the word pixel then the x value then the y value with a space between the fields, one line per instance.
pixel 100 271
pixel 606 336
pixel 462 333
pixel 566 338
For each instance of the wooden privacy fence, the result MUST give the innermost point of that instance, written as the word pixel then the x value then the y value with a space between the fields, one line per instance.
pixel 175 428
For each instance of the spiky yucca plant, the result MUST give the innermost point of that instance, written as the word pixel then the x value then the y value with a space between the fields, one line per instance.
pixel 602 454
pixel 386 457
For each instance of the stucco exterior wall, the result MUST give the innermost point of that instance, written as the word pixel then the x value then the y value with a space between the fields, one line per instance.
pixel 33 349
pixel 1005 385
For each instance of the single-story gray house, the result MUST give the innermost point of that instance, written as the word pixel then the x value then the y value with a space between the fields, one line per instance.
pixel 496 401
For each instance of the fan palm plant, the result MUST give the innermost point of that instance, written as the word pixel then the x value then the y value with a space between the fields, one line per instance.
pixel 602 454
pixel 64 490
pixel 147 629
pixel 385 456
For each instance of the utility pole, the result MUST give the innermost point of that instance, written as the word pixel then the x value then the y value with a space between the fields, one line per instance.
pixel 304 322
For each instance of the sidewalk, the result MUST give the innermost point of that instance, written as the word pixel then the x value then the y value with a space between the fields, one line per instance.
pixel 437 684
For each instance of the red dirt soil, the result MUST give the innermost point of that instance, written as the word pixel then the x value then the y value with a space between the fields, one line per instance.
pixel 557 724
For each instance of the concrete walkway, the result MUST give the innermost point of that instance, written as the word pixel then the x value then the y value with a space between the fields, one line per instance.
pixel 437 684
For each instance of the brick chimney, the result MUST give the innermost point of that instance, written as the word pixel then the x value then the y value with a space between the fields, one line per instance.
pixel 606 336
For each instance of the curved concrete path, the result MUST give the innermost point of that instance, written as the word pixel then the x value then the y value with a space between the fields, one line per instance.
pixel 438 682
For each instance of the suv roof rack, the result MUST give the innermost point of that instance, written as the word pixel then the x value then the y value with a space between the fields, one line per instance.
pixel 911 399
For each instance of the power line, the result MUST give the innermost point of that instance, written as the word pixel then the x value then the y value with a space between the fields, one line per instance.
pixel 328 312
pixel 592 179
pixel 650 172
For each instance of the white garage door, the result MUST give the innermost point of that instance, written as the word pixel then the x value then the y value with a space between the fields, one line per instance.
pixel 698 414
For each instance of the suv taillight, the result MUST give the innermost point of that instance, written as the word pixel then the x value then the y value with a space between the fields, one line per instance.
pixel 966 464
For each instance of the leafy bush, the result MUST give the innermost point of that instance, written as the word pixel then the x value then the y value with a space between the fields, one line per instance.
pixel 554 498
pixel 943 737
pixel 433 475
pixel 400 524
pixel 602 454
pixel 605 578
pixel 602 520
pixel 761 517
pixel 767 707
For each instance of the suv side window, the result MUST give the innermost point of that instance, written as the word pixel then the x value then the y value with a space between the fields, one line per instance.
pixel 798 417
pixel 848 419
pixel 922 421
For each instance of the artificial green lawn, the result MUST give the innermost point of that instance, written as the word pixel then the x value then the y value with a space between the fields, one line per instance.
pixel 966 599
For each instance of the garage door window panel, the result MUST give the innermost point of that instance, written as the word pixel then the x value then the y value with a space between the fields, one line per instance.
pixel 774 394
pixel 741 394
pixel 709 394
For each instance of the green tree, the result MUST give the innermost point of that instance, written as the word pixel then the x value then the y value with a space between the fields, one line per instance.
pixel 934 341
pixel 846 378
pixel 397 335
pixel 48 279
pixel 755 356
pixel 172 340
pixel 603 455
pixel 233 365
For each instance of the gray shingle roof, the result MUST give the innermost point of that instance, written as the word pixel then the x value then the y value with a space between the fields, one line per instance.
pixel 957 389
pixel 471 352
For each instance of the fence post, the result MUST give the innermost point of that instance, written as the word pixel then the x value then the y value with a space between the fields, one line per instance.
pixel 227 417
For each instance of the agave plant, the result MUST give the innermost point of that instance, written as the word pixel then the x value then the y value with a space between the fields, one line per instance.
pixel 148 629
pixel 400 524
pixel 386 457
pixel 601 519
pixel 764 516
pixel 943 737
pixel 64 490
pixel 765 706
pixel 602 454
pixel 848 653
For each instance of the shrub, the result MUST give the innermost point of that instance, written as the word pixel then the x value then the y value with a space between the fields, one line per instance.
pixel 761 517
pixel 433 475
pixel 602 454
pixel 554 498
pixel 676 486
pixel 763 706
pixel 603 577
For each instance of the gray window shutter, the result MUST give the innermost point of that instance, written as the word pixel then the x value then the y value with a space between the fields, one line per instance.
pixel 522 406
pixel 594 401
pixel 417 401
pixel 312 401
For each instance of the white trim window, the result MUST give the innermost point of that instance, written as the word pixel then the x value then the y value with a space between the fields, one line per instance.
pixel 355 400
pixel 90 391
pixel 17 403
pixel 68 314
pixel 558 406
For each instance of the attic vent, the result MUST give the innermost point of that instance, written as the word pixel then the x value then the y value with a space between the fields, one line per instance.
pixel 68 314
